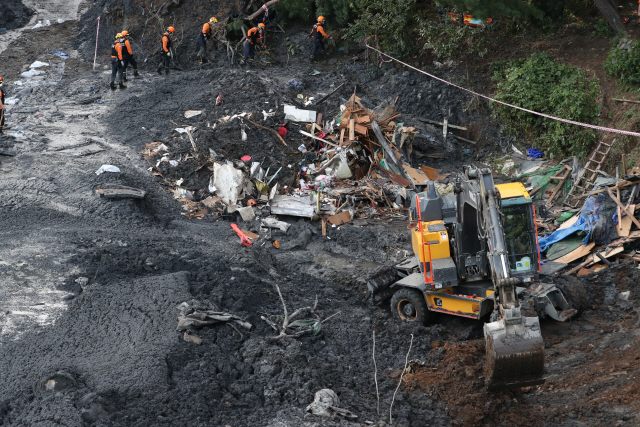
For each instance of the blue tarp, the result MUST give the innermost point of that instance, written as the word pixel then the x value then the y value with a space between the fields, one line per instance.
pixel 587 220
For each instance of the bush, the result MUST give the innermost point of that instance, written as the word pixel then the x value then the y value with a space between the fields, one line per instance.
pixel 602 29
pixel 391 20
pixel 623 61
pixel 541 84
pixel 337 12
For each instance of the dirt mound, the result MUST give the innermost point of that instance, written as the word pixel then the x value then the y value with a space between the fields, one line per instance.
pixel 14 14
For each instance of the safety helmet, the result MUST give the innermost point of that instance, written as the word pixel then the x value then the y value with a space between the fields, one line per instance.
pixel 0 80
pixel 213 20
pixel 124 33
pixel 118 36
pixel 320 18
pixel 171 29
pixel 261 25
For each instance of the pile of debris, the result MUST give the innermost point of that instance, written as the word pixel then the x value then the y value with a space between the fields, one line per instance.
pixel 586 219
pixel 356 165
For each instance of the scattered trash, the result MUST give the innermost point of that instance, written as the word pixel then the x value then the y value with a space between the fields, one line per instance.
pixel 326 404
pixel 228 181
pixel 64 55
pixel 276 244
pixel 38 64
pixel 315 73
pixel 191 113
pixel 31 73
pixel 247 213
pixel 107 168
pixel 535 153
pixel 219 100
pixel 294 84
pixel 274 223
pixel 194 314
pixel 244 240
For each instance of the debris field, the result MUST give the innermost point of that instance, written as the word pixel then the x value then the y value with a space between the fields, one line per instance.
pixel 194 249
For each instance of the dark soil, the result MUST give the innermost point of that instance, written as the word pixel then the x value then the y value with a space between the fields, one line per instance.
pixel 114 272
pixel 14 14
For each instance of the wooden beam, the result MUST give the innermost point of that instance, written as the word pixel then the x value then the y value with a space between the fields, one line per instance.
pixel 559 186
pixel 259 11
pixel 619 203
pixel 433 122
pixel 324 98
pixel 352 133
pixel 626 100
pixel 319 139
pixel 341 136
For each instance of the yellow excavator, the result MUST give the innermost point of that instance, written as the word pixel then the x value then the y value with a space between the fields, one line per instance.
pixel 476 255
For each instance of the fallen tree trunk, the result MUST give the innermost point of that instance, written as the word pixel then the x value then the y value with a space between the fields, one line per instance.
pixel 259 11
pixel 611 15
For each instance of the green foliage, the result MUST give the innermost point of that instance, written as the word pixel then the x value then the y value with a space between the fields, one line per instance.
pixel 446 38
pixel 392 21
pixel 623 61
pixel 337 12
pixel 541 84
pixel 494 8
pixel 603 29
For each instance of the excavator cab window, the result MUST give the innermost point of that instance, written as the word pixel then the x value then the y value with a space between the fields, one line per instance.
pixel 518 238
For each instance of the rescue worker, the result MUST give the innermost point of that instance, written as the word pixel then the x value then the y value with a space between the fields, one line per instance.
pixel 205 34
pixel 127 54
pixel 1 107
pixel 253 36
pixel 166 51
pixel 117 62
pixel 318 35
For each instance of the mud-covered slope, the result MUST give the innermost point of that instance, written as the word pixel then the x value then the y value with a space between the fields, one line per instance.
pixel 14 14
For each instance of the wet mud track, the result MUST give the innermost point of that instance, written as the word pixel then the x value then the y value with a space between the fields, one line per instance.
pixel 92 287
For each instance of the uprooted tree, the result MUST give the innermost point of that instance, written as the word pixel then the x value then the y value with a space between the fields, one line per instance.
pixel 611 15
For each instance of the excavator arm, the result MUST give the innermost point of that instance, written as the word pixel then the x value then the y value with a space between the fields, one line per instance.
pixel 514 345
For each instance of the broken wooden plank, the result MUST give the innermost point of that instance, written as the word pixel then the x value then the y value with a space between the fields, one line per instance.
pixel 627 211
pixel 593 258
pixel 249 234
pixel 560 184
pixel 577 253
pixel 341 136
pixel 463 139
pixel 433 122
pixel 625 223
pixel 626 100
pixel 319 139
pixel 352 134
pixel 319 119
pixel 121 193
pixel 362 130
pixel 417 176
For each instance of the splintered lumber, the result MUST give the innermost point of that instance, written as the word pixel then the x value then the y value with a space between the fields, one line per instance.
pixel 575 254
pixel 433 122
pixel 352 125
pixel 462 139
pixel 594 259
pixel 620 205
pixel 259 11
pixel 621 184
pixel 319 139
pixel 625 222
pixel 561 182
pixel 362 130
pixel 341 136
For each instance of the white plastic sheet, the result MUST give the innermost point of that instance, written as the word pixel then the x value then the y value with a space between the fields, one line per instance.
pixel 107 168
pixel 228 182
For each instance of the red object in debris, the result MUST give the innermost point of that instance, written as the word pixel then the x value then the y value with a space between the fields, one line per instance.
pixel 625 20
pixel 245 158
pixel 251 202
pixel 321 135
pixel 243 238
pixel 219 100
pixel 282 131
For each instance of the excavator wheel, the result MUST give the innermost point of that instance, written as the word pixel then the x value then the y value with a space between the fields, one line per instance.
pixel 409 305
pixel 574 291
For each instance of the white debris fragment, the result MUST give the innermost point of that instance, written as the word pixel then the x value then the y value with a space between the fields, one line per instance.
pixel 173 163
pixel 191 113
pixel 298 115
pixel 184 130
pixel 266 115
pixel 38 25
pixel 179 182
pixel 31 73
pixel 107 168
pixel 12 101
pixel 38 64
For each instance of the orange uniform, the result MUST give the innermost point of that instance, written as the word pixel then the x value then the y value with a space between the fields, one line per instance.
pixel 127 45
pixel 166 42
pixel 116 51
pixel 254 34
pixel 317 31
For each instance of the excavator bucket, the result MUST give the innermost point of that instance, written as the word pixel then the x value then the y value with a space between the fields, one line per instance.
pixel 515 352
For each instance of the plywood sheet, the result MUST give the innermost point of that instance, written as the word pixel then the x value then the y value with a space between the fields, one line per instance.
pixel 339 219
pixel 577 253
pixel 625 224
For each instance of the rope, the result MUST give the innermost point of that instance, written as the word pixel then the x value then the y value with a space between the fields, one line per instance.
pixel 601 128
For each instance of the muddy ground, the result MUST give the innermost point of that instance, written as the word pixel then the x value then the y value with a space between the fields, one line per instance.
pixel 91 286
